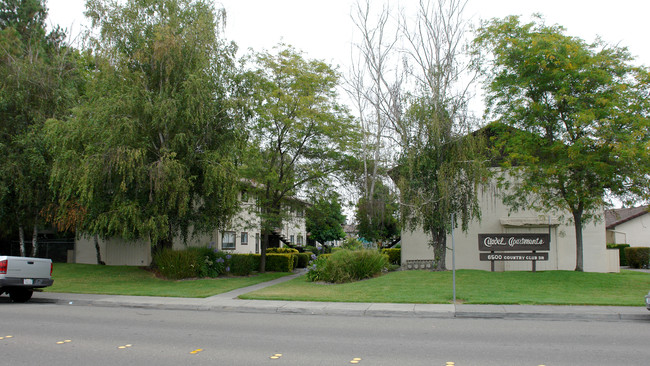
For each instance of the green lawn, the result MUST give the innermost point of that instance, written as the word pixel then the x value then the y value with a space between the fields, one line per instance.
pixel 129 280
pixel 474 287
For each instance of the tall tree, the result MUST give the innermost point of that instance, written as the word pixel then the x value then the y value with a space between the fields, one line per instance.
pixel 324 219
pixel 440 167
pixel 39 81
pixel 586 109
pixel 375 86
pixel 299 133
pixel 150 153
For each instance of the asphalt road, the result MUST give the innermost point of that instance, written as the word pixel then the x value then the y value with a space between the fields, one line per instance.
pixel 48 334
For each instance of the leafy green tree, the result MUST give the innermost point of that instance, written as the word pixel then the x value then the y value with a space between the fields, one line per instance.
pixel 324 218
pixel 150 154
pixel 585 109
pixel 377 218
pixel 299 134
pixel 441 166
pixel 39 81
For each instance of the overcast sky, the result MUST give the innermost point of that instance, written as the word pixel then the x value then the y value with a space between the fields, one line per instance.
pixel 324 30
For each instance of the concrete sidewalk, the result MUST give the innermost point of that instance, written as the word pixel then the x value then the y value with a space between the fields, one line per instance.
pixel 228 302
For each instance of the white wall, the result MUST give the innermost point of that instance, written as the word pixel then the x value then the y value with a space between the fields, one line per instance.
pixel 496 219
pixel 635 232
pixel 119 252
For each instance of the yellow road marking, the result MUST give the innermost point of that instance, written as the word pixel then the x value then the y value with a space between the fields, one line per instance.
pixel 197 351
pixel 63 342
pixel 276 356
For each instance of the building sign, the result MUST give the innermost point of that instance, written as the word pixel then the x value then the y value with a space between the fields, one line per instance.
pixel 513 242
pixel 513 256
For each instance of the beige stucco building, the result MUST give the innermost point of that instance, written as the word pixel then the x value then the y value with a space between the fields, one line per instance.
pixel 496 218
pixel 242 236
pixel 629 226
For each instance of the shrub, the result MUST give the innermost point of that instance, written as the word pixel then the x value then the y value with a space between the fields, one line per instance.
pixel 243 264
pixel 621 252
pixel 178 264
pixel 347 266
pixel 303 259
pixel 394 255
pixel 282 250
pixel 638 257
pixel 279 262
pixel 352 244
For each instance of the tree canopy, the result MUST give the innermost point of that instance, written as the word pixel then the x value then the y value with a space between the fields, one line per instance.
pixel 150 153
pixel 298 133
pixel 39 81
pixel 585 109
pixel 324 219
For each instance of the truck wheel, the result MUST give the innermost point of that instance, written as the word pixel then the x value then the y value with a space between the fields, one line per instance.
pixel 20 295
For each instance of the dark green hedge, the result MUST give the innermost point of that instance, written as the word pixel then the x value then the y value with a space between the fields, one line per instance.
pixel 280 262
pixel 621 252
pixel 394 255
pixel 638 257
pixel 303 259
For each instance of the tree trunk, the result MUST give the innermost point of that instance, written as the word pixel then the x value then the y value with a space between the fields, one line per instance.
pixel 265 245
pixel 577 221
pixel 439 244
pixel 35 241
pixel 21 237
pixel 159 246
pixel 98 251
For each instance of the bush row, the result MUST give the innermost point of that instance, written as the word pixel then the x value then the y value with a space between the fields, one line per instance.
pixel 206 262
pixel 394 255
pixel 638 257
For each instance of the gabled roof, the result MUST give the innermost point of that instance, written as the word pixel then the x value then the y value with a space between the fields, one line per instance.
pixel 620 215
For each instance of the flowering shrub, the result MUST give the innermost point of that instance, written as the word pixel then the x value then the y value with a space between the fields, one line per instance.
pixel 347 266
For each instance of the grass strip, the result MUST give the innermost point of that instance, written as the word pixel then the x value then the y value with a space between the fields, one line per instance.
pixel 627 288
pixel 136 281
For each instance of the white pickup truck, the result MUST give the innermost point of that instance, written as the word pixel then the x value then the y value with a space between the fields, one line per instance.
pixel 19 276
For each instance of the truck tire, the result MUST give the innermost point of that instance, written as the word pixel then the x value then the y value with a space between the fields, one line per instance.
pixel 20 295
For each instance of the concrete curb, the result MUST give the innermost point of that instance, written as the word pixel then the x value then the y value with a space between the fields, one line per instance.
pixel 442 311
pixel 229 302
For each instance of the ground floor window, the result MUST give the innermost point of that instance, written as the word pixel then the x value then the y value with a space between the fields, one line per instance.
pixel 299 240
pixel 228 240
pixel 244 238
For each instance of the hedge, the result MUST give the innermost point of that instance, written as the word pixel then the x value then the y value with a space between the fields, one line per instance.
pixel 303 259
pixel 282 250
pixel 280 262
pixel 638 257
pixel 394 255
pixel 621 251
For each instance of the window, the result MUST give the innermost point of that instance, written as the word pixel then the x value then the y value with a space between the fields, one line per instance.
pixel 244 238
pixel 299 240
pixel 228 240
pixel 291 239
pixel 257 243
pixel 244 196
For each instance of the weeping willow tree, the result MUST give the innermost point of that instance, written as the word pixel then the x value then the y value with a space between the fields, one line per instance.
pixel 441 167
pixel 150 153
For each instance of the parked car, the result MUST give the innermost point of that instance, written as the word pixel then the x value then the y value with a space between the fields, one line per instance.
pixel 19 276
pixel 647 301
